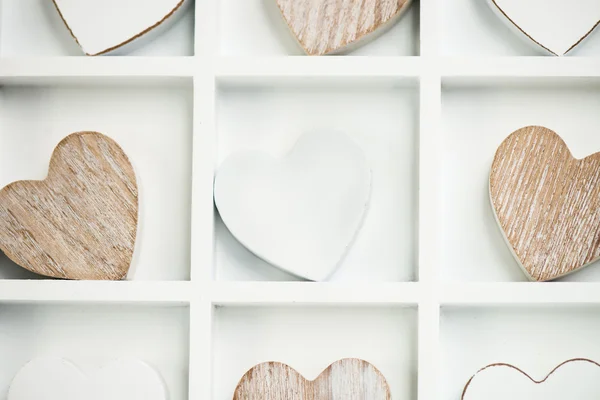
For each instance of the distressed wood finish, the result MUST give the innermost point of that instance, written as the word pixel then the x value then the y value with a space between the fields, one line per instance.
pixel 347 379
pixel 547 203
pixel 329 26
pixel 81 221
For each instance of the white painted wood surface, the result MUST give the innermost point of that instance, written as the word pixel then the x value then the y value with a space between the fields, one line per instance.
pixel 554 25
pixel 57 378
pixel 102 27
pixel 303 212
pixel 573 379
pixel 476 90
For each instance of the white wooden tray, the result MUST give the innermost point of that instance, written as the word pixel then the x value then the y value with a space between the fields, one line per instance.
pixel 429 293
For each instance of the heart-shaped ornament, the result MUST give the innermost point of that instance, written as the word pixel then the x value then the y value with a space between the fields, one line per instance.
pixel 300 213
pixel 105 26
pixel 347 379
pixel 573 379
pixel 56 378
pixel 81 221
pixel 556 26
pixel 547 203
pixel 331 26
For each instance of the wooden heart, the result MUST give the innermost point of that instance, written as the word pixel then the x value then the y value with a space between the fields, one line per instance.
pixel 577 378
pixel 554 25
pixel 347 379
pixel 56 378
pixel 81 221
pixel 104 26
pixel 300 213
pixel 331 26
pixel 547 203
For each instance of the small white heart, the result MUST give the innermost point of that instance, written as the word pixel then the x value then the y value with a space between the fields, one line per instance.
pixel 55 378
pixel 574 379
pixel 104 26
pixel 557 26
pixel 300 213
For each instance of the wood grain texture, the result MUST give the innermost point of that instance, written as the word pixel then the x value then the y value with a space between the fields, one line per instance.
pixel 329 26
pixel 81 221
pixel 347 379
pixel 547 203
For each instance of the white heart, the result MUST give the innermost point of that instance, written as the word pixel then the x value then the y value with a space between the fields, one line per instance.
pixel 300 213
pixel 56 378
pixel 554 25
pixel 104 26
pixel 575 379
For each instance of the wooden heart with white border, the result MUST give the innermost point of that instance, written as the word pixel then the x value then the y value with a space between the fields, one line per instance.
pixel 547 203
pixel 577 379
pixel 556 26
pixel 347 379
pixel 331 26
pixel 104 26
pixel 58 379
pixel 81 221
pixel 300 213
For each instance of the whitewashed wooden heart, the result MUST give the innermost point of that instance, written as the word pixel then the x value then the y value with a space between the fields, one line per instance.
pixel 300 213
pixel 577 379
pixel 546 202
pixel 55 378
pixel 556 26
pixel 81 221
pixel 331 26
pixel 346 379
pixel 105 26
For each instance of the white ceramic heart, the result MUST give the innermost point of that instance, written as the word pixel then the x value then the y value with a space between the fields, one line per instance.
pixel 106 26
pixel 574 379
pixel 55 378
pixel 300 213
pixel 556 26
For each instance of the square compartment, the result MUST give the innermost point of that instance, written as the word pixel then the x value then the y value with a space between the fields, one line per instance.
pixel 471 28
pixel 477 115
pixel 381 117
pixel 534 338
pixel 150 120
pixel 256 28
pixel 93 335
pixel 310 338
pixel 33 28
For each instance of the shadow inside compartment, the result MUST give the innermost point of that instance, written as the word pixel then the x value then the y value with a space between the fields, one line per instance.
pixel 10 270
